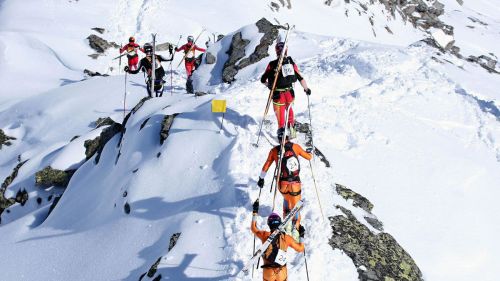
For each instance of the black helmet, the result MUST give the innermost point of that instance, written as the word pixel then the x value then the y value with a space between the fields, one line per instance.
pixel 279 48
pixel 273 221
pixel 148 49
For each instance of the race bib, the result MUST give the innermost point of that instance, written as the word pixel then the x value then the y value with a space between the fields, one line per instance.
pixel 287 70
pixel 292 164
pixel 280 257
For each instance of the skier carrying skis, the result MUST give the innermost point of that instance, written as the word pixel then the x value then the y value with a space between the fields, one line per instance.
pixel 189 50
pixel 288 179
pixel 131 48
pixel 189 59
pixel 146 65
pixel 283 94
pixel 274 268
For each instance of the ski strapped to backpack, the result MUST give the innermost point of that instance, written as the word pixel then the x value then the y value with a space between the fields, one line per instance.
pixel 262 249
pixel 278 68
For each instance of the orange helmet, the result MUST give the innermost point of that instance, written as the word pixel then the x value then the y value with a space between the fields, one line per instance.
pixel 131 39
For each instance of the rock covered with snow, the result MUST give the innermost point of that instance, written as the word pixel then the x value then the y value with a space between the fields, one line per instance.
pixel 4 139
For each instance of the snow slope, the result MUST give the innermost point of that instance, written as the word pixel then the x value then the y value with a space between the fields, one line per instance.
pixel 404 126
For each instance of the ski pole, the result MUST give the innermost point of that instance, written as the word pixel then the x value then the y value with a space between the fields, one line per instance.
pixel 310 164
pixel 120 61
pixel 305 261
pixel 125 96
pixel 269 98
pixel 171 68
pixel 253 252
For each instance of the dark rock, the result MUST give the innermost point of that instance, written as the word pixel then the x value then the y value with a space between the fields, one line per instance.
pixel 94 56
pixel 236 52
pixel 173 240
pixel 358 200
pixel 199 94
pixel 4 139
pixel 378 225
pixel 166 124
pixel 219 37
pixel 163 46
pixel 74 138
pixel 126 208
pixel 99 29
pixel 96 145
pixel 125 194
pixel 52 177
pixel 152 270
pixel 157 278
pixel 144 123
pixel 380 254
pixel 91 73
pixel 39 200
pixel 22 196
pixel 485 62
pixel 54 204
pixel 135 109
pixel 209 58
pixel 104 121
pixel 99 44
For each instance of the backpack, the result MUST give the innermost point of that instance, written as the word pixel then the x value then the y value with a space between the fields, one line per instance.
pixel 275 254
pixel 290 165
pixel 286 77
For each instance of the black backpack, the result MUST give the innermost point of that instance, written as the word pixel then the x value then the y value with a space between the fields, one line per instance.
pixel 272 251
pixel 290 165
pixel 286 76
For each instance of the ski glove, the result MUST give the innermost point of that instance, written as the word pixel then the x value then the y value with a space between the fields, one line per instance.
pixel 260 183
pixel 308 91
pixel 170 49
pixel 302 231
pixel 126 69
pixel 256 206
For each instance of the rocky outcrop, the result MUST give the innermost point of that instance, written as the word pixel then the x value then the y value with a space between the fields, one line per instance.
pixel 209 58
pixel 7 202
pixel 96 145
pixel 99 29
pixel 52 177
pixel 486 62
pixel 236 52
pixel 100 45
pixel 305 128
pixel 377 256
pixel 90 73
pixel 4 139
pixel 166 124
pixel 104 121
pixel 357 199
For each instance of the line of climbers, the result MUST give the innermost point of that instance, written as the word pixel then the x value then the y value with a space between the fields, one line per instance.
pixel 288 178
pixel 191 63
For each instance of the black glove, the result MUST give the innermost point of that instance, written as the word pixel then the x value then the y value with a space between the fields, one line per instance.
pixel 302 231
pixel 260 183
pixel 170 48
pixel 308 91
pixel 256 206
pixel 126 69
pixel 176 49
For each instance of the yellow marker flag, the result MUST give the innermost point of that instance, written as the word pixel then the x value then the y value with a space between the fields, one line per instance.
pixel 219 106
